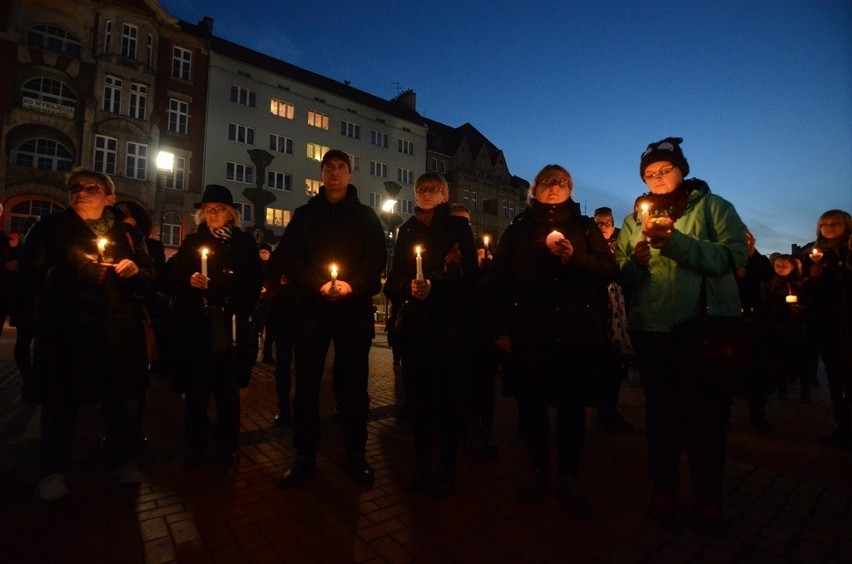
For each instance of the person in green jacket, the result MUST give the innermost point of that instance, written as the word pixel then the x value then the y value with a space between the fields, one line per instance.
pixel 678 254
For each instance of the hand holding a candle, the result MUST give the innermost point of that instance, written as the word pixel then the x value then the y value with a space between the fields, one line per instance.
pixel 126 268
pixel 560 246
pixel 658 230
pixel 642 253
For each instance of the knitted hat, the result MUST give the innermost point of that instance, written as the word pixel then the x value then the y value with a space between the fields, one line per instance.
pixel 265 247
pixel 216 194
pixel 666 150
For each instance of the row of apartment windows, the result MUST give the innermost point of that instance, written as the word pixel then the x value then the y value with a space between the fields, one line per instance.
pixel 470 199
pixel 247 97
pixel 177 114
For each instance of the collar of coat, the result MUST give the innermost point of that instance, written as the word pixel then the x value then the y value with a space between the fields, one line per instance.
pixel 549 214
pixel 351 198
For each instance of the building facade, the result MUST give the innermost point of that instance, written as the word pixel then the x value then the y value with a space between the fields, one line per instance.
pixel 106 85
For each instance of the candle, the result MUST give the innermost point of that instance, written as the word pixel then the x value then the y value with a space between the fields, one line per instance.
pixel 333 275
pixel 234 329
pixel 791 299
pixel 552 239
pixel 645 207
pixel 485 240
pixel 419 260
pixel 102 243
pixel 204 251
pixel 816 254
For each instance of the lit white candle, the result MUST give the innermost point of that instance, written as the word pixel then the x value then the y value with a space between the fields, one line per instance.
pixel 791 299
pixel 644 207
pixel 485 241
pixel 102 243
pixel 234 328
pixel 333 275
pixel 419 260
pixel 204 252
pixel 553 238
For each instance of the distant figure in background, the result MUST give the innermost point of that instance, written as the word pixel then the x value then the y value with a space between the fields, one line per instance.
pixel 828 303
pixel 617 357
pixel 263 305
pixel 84 267
pixel 757 382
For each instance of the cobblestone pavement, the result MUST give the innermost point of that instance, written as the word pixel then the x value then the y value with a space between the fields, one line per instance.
pixel 787 497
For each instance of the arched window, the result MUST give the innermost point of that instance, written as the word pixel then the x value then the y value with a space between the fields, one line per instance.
pixel 49 90
pixel 170 232
pixel 43 154
pixel 24 214
pixel 54 38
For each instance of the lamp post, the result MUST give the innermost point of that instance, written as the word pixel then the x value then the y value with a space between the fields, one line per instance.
pixel 165 166
pixel 391 221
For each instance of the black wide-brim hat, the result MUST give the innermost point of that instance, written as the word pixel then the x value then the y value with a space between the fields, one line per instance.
pixel 216 194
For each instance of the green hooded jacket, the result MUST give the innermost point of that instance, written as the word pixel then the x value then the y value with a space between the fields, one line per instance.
pixel 708 243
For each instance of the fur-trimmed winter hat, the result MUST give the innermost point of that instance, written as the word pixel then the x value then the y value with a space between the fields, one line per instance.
pixel 666 150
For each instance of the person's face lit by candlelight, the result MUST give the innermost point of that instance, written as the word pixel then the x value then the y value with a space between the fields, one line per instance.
pixel 662 177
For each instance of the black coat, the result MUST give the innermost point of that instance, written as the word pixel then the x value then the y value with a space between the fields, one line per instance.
pixel 349 235
pixel 533 297
pixel 89 340
pixel 446 297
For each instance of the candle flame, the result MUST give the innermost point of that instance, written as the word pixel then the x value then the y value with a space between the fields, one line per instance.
pixel 334 270
pixel 645 207
pixel 814 251
pixel 486 239
pixel 102 243
pixel 205 251
pixel 417 250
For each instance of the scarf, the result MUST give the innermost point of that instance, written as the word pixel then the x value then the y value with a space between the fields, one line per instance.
pixel 221 233
pixel 103 224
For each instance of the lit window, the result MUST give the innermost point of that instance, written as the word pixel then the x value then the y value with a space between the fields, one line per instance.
pixel 378 169
pixel 181 63
pixel 316 119
pixel 178 116
pixel 136 164
pixel 279 180
pixel 241 133
pixel 350 130
pixel 282 109
pixel 54 38
pixel 43 154
pixel 177 179
pixel 129 35
pixel 239 172
pixel 106 151
pixel 379 139
pixel 277 217
pixel 312 187
pixel 138 100
pixel 243 96
pixel 315 151
pixel 112 95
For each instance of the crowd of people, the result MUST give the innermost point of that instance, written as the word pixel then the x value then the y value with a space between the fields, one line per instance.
pixel 561 309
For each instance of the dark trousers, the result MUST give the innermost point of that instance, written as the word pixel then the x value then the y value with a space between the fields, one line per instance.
pixel 351 355
pixel 58 430
pixel 548 375
pixel 436 398
pixel 838 370
pixel 687 410
pixel 281 330
pixel 482 363
pixel 221 382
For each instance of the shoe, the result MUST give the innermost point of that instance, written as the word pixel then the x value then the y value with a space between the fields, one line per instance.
pixel 759 423
pixel 282 419
pixel 362 472
pixel 578 504
pixel 51 488
pixel 129 474
pixel 193 458
pixel 534 488
pixel 297 474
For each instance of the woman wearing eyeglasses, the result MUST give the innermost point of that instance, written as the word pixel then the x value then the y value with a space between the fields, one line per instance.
pixel 216 275
pixel 431 359
pixel 84 267
pixel 678 255
pixel 828 306
pixel 548 302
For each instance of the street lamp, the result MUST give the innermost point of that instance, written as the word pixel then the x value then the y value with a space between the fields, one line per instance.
pixel 165 166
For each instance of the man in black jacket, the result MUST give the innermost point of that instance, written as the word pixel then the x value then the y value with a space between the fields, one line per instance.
pixel 334 254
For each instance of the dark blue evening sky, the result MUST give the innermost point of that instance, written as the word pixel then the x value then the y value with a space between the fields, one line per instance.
pixel 761 91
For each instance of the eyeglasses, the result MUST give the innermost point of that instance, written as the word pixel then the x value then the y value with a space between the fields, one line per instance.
pixel 87 188
pixel 603 223
pixel 550 182
pixel 214 210
pixel 428 189
pixel 659 174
